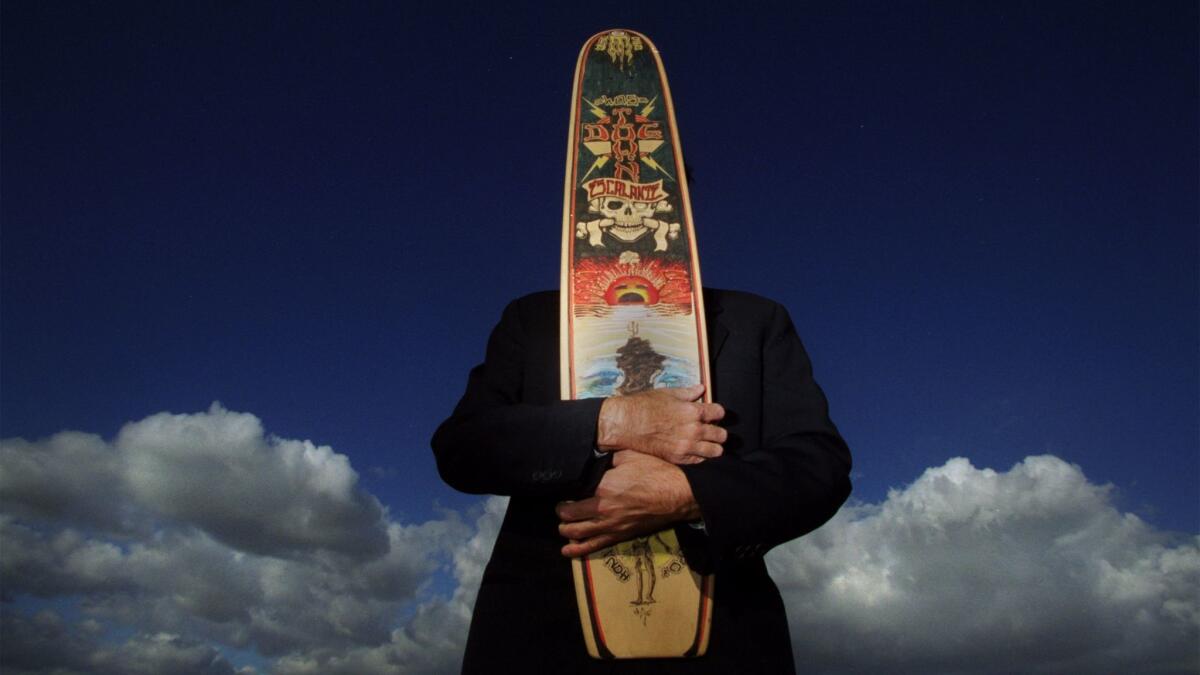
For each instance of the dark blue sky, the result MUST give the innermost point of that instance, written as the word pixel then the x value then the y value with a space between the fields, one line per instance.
pixel 983 217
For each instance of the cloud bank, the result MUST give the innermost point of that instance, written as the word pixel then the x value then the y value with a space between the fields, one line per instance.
pixel 189 541
pixel 973 570
pixel 200 531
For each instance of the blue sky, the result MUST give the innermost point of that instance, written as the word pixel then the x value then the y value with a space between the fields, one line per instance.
pixel 983 219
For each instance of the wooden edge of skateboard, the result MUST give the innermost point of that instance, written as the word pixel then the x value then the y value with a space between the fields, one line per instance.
pixel 710 583
pixel 586 620
pixel 566 289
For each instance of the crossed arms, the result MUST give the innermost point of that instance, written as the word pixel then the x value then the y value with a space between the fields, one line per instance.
pixel 662 460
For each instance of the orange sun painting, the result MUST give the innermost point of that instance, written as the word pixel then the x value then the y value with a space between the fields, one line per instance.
pixel 630 280
pixel 631 290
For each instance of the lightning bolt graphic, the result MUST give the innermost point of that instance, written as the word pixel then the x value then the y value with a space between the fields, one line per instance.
pixel 600 161
pixel 649 107
pixel 596 110
pixel 649 161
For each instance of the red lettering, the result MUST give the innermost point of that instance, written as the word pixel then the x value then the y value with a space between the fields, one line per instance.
pixel 617 187
pixel 625 151
pixel 623 132
pixel 649 131
pixel 627 171
pixel 647 193
pixel 594 132
pixel 624 148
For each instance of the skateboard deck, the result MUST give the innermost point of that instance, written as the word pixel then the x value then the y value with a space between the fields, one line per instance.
pixel 632 319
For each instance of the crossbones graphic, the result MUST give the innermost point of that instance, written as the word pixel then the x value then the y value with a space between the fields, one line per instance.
pixel 628 221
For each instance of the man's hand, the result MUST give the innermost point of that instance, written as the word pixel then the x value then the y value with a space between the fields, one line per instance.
pixel 667 423
pixel 640 494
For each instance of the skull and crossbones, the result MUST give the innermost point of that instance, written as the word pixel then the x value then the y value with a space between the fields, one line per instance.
pixel 628 221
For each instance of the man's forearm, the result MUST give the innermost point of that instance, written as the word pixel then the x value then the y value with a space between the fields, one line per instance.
pixel 640 494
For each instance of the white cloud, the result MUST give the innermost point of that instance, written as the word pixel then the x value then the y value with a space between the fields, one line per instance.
pixel 433 640
pixel 973 570
pixel 215 471
pixel 46 643
pixel 59 479
pixel 203 530
pixel 190 534
pixel 161 653
pixel 262 494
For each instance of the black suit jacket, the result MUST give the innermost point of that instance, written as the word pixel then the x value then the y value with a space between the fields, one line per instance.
pixel 785 471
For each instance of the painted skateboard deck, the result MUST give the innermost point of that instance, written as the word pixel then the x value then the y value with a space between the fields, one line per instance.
pixel 632 319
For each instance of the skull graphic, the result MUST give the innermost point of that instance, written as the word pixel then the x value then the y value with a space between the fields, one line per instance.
pixel 627 216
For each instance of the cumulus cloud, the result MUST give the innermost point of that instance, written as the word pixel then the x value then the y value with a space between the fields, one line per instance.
pixel 46 643
pixel 65 478
pixel 433 641
pixel 201 530
pixel 216 471
pixel 972 570
pixel 187 536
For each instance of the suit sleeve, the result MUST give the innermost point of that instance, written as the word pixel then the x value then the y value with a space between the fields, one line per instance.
pixel 797 480
pixel 494 443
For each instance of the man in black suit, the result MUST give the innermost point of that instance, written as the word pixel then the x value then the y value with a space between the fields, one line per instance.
pixel 586 473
